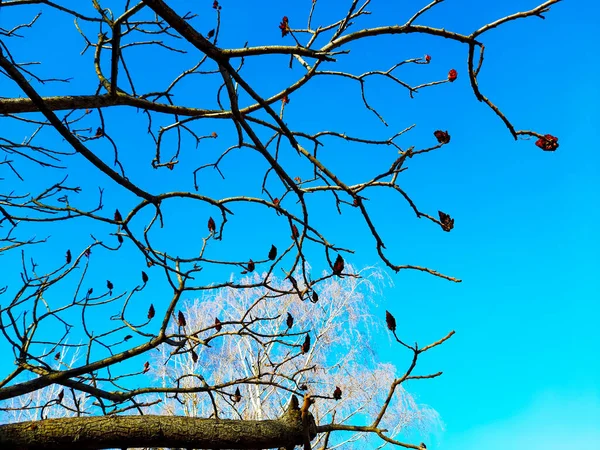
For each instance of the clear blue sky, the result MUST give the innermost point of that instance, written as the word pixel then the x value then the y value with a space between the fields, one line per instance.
pixel 523 370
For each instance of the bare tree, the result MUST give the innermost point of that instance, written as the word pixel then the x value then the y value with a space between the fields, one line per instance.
pixel 341 359
pixel 100 250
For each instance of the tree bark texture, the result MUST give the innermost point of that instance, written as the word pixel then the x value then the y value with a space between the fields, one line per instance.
pixel 154 431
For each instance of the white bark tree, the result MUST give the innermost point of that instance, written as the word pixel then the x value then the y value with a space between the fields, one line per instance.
pixel 342 325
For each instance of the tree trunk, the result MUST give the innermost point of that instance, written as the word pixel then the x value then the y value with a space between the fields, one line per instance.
pixel 155 431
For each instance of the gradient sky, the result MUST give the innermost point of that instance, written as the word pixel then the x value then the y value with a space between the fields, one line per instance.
pixel 523 370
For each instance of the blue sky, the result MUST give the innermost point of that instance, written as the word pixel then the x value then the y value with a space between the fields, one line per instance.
pixel 523 370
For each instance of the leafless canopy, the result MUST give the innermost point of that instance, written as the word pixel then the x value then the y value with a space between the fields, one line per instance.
pixel 171 111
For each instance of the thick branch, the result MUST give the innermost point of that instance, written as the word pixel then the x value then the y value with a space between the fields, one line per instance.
pixel 67 102
pixel 153 431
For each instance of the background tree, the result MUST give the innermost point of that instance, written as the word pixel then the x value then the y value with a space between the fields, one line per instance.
pixel 161 84
pixel 341 356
